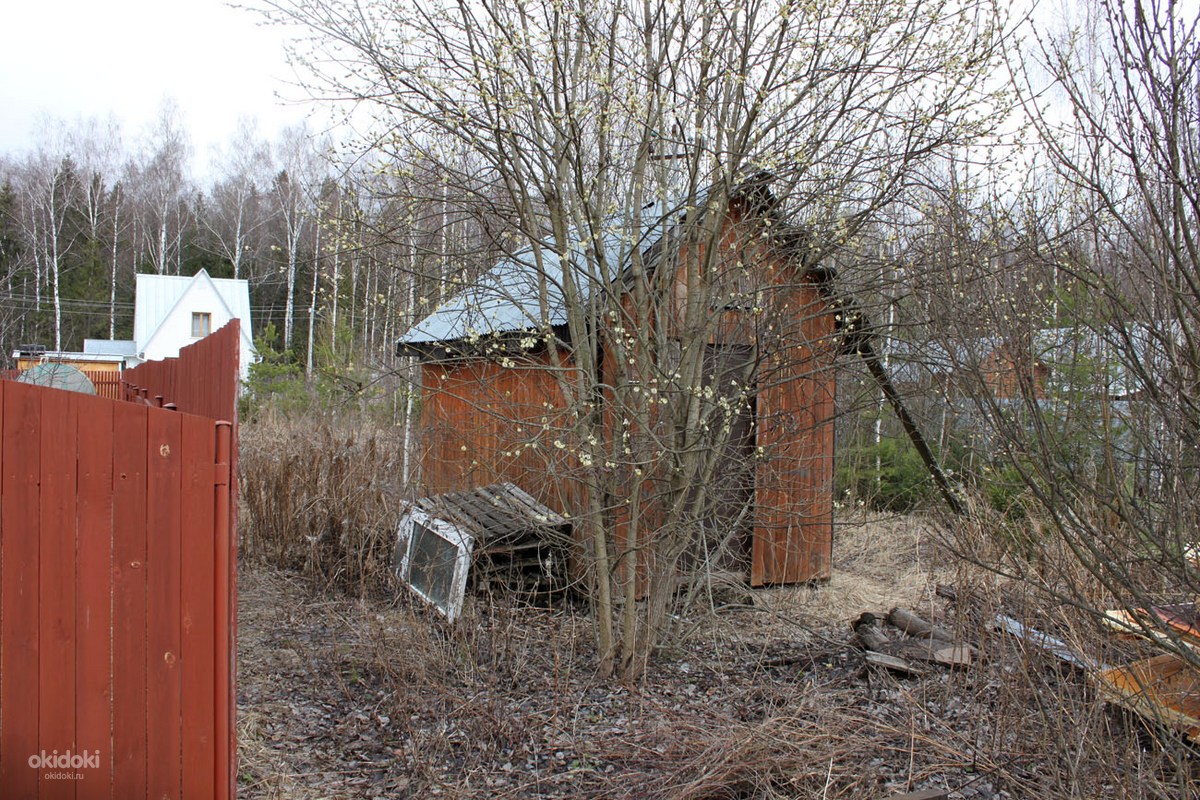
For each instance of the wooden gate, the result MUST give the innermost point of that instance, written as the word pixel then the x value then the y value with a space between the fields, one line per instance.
pixel 117 589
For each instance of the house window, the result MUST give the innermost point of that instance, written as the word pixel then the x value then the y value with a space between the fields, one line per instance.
pixel 201 324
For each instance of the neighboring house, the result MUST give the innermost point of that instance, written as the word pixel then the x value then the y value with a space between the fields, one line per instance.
pixel 29 356
pixel 171 312
pixel 491 401
pixel 102 371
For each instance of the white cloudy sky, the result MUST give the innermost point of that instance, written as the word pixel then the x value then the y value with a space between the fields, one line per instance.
pixel 73 59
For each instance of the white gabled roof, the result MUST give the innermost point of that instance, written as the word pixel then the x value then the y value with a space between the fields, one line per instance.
pixel 158 295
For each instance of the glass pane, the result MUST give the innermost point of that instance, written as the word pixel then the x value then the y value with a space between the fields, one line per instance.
pixel 431 565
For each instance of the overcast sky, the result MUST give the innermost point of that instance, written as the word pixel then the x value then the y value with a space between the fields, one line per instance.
pixel 74 59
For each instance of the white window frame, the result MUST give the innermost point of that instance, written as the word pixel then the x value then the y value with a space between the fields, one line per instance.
pixel 462 563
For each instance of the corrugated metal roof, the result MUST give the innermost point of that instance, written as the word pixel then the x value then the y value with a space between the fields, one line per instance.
pixel 115 347
pixel 509 297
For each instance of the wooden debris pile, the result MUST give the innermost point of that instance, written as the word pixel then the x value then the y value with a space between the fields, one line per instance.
pixel 1162 688
pixel 491 536
pixel 903 641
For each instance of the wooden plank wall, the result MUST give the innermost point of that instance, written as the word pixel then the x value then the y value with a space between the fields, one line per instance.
pixel 793 494
pixel 109 647
pixel 205 379
pixel 108 384
pixel 478 422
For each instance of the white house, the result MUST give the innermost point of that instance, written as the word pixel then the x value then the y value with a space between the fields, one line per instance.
pixel 171 312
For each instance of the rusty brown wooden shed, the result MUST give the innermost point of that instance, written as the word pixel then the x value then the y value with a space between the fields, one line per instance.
pixel 490 409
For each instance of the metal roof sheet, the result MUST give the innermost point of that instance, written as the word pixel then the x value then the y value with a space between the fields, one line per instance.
pixel 509 297
pixel 110 347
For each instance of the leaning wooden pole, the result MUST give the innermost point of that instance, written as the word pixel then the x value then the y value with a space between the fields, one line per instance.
pixel 868 354
pixel 857 337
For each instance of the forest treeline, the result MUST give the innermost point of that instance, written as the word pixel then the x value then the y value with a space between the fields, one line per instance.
pixel 335 257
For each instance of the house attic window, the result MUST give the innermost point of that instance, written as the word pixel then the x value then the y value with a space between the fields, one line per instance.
pixel 201 324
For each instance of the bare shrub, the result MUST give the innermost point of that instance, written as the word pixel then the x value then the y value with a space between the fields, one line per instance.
pixel 321 497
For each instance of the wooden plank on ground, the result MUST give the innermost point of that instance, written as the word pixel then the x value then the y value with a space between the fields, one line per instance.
pixel 163 578
pixel 56 586
pixel 198 654
pixel 1163 689
pixel 129 600
pixel 924 794
pixel 93 575
pixel 19 591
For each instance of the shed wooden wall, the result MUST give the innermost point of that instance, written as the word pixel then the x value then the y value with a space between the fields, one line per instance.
pixel 793 493
pixel 479 418
pixel 484 423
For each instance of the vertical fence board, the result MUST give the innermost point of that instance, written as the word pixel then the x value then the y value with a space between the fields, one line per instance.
pixel 163 602
pixel 225 612
pixel 3 438
pixel 93 619
pixel 56 582
pixel 129 601
pixel 198 659
pixel 19 694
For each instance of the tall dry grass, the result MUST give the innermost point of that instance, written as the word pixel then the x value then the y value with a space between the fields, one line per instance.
pixel 323 498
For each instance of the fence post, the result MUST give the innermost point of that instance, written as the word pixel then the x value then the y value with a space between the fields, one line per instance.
pixel 223 629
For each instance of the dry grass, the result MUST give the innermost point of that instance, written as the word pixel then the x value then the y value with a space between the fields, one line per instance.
pixel 362 698
pixel 322 499
pixel 348 689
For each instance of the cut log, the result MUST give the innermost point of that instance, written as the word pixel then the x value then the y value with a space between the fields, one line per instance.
pixel 947 591
pixel 866 628
pixel 915 625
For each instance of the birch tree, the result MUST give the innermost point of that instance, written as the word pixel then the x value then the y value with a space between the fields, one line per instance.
pixel 164 189
pixel 51 191
pixel 238 216
pixel 295 189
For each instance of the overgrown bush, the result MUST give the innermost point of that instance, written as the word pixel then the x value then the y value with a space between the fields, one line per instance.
pixel 276 382
pixel 322 498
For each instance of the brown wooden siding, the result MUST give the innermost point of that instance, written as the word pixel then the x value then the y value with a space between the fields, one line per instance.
pixel 793 521
pixel 118 553
pixel 111 642
pixel 483 423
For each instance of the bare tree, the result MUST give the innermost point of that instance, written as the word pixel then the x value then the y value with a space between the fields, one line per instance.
pixel 164 189
pixel 1073 328
pixel 238 211
pixel 566 120
pixel 295 188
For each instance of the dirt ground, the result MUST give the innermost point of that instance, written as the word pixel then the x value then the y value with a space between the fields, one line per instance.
pixel 768 696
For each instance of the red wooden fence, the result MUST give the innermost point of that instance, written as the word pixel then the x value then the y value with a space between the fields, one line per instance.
pixel 108 384
pixel 118 587
pixel 203 380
